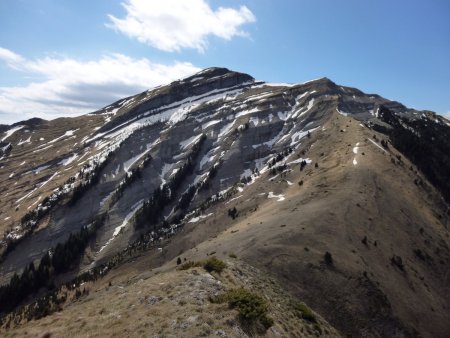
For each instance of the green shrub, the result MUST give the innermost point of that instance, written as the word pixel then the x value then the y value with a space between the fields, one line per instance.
pixel 302 311
pixel 214 264
pixel 232 255
pixel 188 265
pixel 252 308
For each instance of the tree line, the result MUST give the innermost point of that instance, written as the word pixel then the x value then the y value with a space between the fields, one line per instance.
pixel 134 175
pixel 151 212
pixel 32 218
pixel 425 142
pixel 56 261
pixel 89 179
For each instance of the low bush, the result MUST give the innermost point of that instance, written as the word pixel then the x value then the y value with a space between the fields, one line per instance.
pixel 302 311
pixel 214 264
pixel 188 265
pixel 252 308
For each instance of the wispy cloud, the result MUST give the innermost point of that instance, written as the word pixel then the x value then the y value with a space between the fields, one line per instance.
pixel 171 25
pixel 10 57
pixel 74 87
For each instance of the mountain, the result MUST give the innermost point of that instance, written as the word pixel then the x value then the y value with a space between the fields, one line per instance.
pixel 340 198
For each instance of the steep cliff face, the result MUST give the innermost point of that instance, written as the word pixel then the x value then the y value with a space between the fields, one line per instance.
pixel 296 170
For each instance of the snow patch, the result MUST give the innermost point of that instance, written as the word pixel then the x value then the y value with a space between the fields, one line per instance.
pixel 299 160
pixel 271 84
pixel 127 218
pixel 246 112
pixel 271 142
pixel 66 134
pixel 320 78
pixel 189 141
pixel 103 201
pixel 54 175
pixel 297 136
pixel 283 116
pixel 246 173
pixel 279 197
pixel 205 159
pixel 310 105
pixel 41 168
pixel 341 112
pixel 11 131
pixel 28 140
pixel 254 120
pixel 128 164
pixel 68 160
pixel 377 145
pixel 226 129
pixel 302 96
pixel 209 124
pixel 257 97
pixel 166 168
pixel 234 198
pixel 198 218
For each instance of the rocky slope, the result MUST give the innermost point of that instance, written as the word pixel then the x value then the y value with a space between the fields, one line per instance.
pixel 339 195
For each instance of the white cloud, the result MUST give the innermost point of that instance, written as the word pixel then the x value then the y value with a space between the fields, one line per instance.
pixel 72 87
pixel 10 57
pixel 171 25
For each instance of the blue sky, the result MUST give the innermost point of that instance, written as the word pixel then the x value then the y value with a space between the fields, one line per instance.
pixel 64 57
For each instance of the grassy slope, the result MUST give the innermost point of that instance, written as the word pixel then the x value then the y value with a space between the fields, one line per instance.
pixel 170 303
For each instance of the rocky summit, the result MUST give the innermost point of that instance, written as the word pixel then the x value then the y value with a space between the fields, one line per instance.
pixel 219 205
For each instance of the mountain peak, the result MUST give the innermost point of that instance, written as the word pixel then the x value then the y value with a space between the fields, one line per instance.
pixel 214 73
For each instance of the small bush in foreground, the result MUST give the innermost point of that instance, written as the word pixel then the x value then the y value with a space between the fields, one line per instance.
pixel 302 311
pixel 252 308
pixel 214 264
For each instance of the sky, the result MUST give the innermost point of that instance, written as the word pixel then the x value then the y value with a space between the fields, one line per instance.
pixel 66 58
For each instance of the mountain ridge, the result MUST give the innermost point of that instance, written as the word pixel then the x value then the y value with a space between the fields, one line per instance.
pixel 183 158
